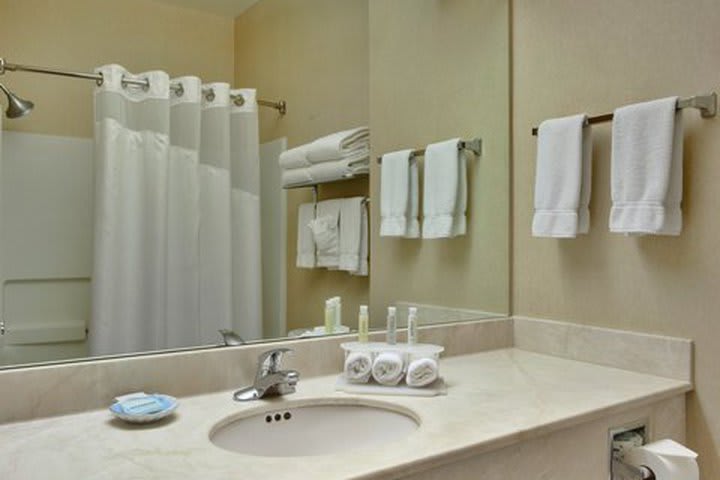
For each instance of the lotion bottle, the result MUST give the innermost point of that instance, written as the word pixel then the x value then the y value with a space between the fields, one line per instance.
pixel 391 335
pixel 329 316
pixel 363 324
pixel 412 337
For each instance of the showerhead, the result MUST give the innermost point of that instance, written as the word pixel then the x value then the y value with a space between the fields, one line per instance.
pixel 17 107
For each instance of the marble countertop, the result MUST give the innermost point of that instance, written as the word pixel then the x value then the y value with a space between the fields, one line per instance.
pixel 494 399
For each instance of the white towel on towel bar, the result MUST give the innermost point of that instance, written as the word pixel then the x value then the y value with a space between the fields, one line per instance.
pixel 563 178
pixel 445 190
pixel 399 195
pixel 646 168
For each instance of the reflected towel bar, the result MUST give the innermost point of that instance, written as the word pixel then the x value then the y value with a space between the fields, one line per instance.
pixel 474 145
pixel 177 88
pixel 707 104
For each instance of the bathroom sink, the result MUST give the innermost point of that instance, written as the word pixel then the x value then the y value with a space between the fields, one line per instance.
pixel 313 428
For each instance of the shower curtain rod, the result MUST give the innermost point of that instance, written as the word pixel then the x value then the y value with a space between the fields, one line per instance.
pixel 177 88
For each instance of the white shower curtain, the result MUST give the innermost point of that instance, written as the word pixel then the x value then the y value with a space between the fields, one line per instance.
pixel 171 248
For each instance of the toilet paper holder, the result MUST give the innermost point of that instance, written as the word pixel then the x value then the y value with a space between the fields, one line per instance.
pixel 620 470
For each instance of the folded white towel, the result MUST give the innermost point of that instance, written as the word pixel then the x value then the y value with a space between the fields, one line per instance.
pixel 421 372
pixel 326 233
pixel 387 368
pixel 351 234
pixel 646 168
pixel 305 242
pixel 563 178
pixel 358 366
pixel 294 158
pixel 445 190
pixel 335 146
pixel 399 195
pixel 296 176
pixel 355 164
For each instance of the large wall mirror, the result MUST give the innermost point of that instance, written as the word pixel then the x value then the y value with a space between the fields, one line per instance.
pixel 143 205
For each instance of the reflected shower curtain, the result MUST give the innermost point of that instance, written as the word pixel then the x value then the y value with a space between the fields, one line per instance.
pixel 170 244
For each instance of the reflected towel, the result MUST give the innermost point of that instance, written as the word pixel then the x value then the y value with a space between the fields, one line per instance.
pixel 356 164
pixel 326 233
pixel 294 158
pixel 305 242
pixel 351 234
pixel 444 190
pixel 338 145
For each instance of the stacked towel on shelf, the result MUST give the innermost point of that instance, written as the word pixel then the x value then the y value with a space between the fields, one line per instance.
pixel 333 234
pixel 330 158
pixel 646 169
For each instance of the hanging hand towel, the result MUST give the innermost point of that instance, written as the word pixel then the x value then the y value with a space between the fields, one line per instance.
pixel 445 190
pixel 305 242
pixel 338 145
pixel 646 168
pixel 563 178
pixel 351 234
pixel 326 233
pixel 294 158
pixel 364 247
pixel 399 195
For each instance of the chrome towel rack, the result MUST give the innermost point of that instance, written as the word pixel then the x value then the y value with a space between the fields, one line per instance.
pixel 474 145
pixel 707 104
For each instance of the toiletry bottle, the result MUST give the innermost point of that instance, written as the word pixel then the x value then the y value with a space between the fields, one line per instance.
pixel 329 316
pixel 338 313
pixel 363 324
pixel 412 338
pixel 391 336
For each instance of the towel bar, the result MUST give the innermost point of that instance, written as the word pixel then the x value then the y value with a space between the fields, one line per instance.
pixel 474 145
pixel 707 104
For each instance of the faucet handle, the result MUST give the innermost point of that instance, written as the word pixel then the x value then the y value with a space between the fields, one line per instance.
pixel 269 362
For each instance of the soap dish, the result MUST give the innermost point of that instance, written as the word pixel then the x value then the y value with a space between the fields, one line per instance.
pixel 168 405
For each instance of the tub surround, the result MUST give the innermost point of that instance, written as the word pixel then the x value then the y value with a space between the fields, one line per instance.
pixel 495 399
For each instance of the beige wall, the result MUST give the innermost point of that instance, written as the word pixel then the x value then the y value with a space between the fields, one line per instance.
pixel 574 56
pixel 83 34
pixel 440 69
pixel 314 55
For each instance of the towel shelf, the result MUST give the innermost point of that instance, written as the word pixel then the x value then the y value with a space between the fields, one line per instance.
pixel 474 145
pixel 707 104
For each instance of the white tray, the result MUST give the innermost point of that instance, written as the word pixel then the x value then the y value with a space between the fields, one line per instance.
pixel 436 388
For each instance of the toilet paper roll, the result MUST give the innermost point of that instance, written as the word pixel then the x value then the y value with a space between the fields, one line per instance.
pixel 667 459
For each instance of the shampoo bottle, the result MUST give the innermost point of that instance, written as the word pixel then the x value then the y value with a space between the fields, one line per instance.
pixel 338 313
pixel 363 324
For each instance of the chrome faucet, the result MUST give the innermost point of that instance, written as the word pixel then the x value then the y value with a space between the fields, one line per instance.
pixel 269 379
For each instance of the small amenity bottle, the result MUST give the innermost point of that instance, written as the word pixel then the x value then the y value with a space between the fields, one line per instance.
pixel 412 337
pixel 338 313
pixel 391 335
pixel 329 316
pixel 363 324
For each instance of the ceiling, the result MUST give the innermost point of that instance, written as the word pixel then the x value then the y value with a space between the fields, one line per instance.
pixel 227 8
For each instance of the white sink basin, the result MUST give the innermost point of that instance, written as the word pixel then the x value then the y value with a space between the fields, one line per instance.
pixel 313 428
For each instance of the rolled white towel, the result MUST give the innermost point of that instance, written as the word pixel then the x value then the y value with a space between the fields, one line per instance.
pixel 387 368
pixel 357 367
pixel 421 372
